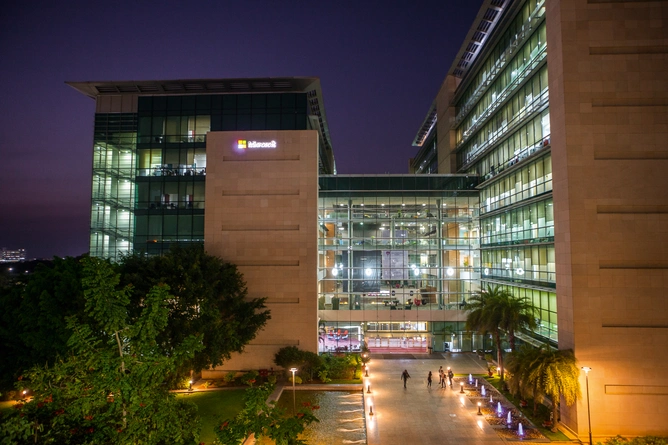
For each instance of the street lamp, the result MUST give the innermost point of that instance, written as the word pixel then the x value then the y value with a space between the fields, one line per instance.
pixel 293 370
pixel 586 369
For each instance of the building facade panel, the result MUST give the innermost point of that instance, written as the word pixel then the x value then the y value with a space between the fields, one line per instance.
pixel 608 91
pixel 261 195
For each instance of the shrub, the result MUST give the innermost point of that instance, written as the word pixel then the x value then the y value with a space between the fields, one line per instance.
pixel 288 357
pixel 229 377
pixel 249 378
pixel 298 380
pixel 338 367
pixel 322 375
pixel 308 362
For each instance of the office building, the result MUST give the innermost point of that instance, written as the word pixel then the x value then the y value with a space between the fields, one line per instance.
pixel 235 162
pixel 560 108
pixel 398 260
pixel 538 168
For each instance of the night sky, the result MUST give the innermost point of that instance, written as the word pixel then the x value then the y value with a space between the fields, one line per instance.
pixel 380 64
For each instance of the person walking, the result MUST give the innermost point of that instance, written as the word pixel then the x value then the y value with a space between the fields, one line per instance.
pixel 405 376
pixel 450 376
pixel 429 380
pixel 441 377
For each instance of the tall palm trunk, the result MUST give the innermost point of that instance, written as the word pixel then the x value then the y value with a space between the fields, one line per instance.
pixel 499 354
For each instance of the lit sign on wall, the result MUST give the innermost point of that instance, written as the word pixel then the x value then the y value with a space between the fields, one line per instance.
pixel 243 144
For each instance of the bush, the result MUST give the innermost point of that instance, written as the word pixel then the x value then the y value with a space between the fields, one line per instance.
pixel 322 375
pixel 338 367
pixel 308 363
pixel 288 357
pixel 229 377
pixel 249 378
pixel 298 380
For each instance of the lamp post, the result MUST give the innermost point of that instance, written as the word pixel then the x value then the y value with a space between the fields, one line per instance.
pixel 293 370
pixel 586 369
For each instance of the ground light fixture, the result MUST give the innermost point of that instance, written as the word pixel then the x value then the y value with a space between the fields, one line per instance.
pixel 368 389
pixel 190 385
pixel 294 403
pixel 586 369
pixel 461 386
pixel 371 410
pixel 479 412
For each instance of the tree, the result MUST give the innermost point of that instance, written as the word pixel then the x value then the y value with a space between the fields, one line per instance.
pixel 496 310
pixel 265 420
pixel 556 374
pixel 516 313
pixel 109 387
pixel 483 319
pixel 521 364
pixel 209 300
pixel 291 356
pixel 33 330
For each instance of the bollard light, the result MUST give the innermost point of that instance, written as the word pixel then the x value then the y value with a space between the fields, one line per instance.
pixel 461 385
pixel 479 412
pixel 190 385
pixel 366 371
pixel 368 389
pixel 370 410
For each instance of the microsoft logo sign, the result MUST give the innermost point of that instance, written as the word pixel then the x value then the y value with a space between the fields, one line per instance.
pixel 243 144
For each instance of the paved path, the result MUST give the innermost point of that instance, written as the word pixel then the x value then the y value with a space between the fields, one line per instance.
pixel 418 415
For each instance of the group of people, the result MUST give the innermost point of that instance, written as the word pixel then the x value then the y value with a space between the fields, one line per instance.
pixel 444 377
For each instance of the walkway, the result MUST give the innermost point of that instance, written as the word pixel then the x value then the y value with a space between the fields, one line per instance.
pixel 419 415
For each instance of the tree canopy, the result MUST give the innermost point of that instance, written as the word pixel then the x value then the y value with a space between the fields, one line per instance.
pixel 209 299
pixel 496 310
pixel 33 328
pixel 541 372
pixel 109 386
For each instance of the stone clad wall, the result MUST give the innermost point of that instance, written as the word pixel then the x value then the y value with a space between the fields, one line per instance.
pixel 608 71
pixel 261 214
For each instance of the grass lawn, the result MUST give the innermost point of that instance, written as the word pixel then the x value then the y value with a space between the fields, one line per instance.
pixel 214 405
pixel 543 412
pixel 6 406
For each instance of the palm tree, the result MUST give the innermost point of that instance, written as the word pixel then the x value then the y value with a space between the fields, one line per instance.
pixel 482 317
pixel 496 310
pixel 555 373
pixel 521 364
pixel 516 313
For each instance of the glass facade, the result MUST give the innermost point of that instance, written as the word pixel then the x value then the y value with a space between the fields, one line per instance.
pixel 502 133
pixel 149 167
pixel 113 194
pixel 394 243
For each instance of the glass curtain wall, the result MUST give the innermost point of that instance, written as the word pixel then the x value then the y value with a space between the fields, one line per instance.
pixel 171 156
pixel 114 151
pixel 503 135
pixel 386 250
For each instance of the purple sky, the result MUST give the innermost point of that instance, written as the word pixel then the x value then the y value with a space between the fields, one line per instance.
pixel 380 64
